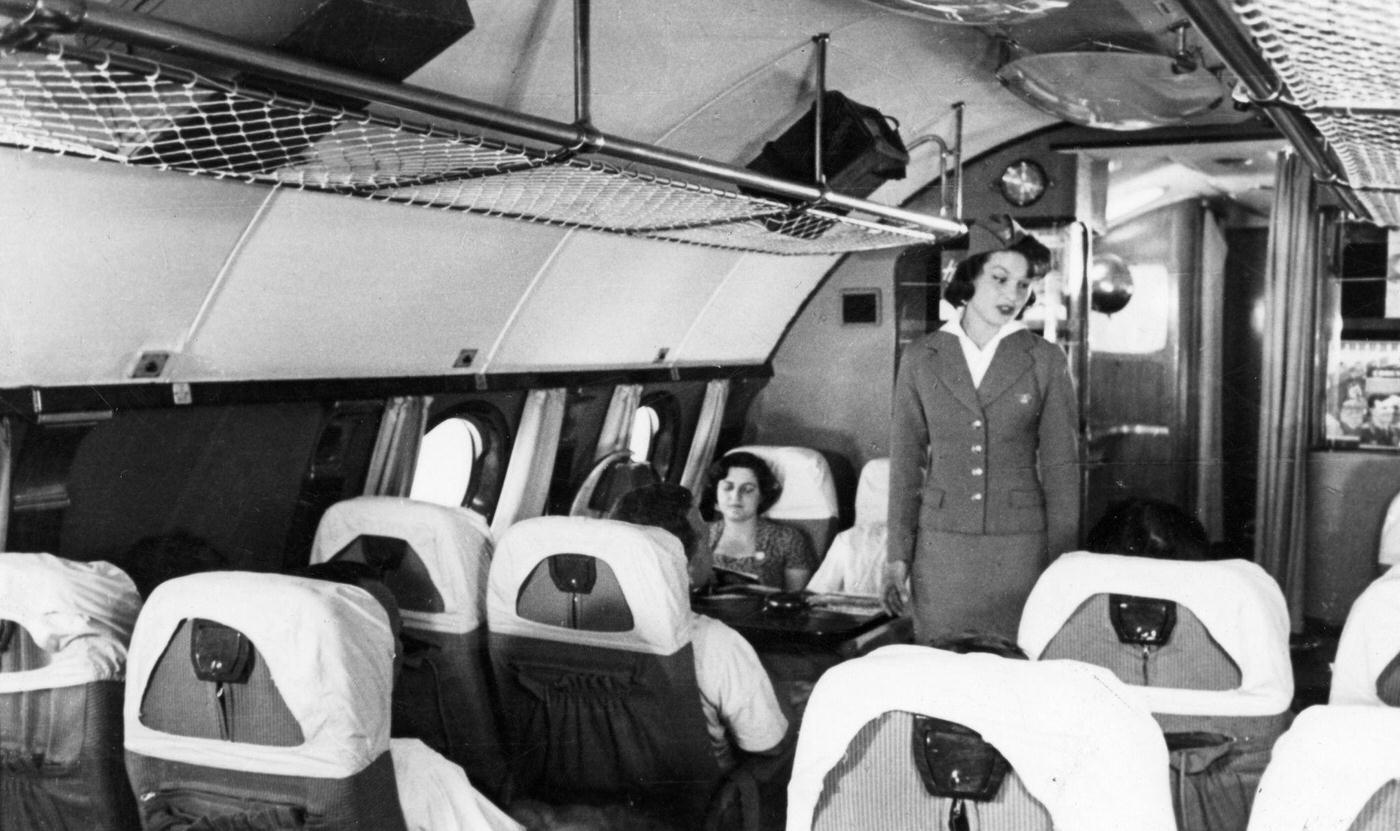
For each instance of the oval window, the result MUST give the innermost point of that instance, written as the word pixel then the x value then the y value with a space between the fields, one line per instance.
pixel 446 458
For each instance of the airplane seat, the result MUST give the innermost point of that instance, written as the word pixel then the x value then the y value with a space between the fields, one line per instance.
pixel 435 560
pixel 855 562
pixel 261 701
pixel 1335 768
pixel 64 631
pixel 808 501
pixel 590 640
pixel 910 737
pixel 1366 669
pixel 1203 645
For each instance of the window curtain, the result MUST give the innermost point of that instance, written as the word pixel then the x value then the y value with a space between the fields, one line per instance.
pixel 1292 284
pixel 702 446
pixel 526 485
pixel 617 425
pixel 1210 295
pixel 6 459
pixel 395 458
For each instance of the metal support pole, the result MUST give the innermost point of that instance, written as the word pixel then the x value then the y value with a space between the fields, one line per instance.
pixel 958 158
pixel 942 168
pixel 583 115
pixel 819 121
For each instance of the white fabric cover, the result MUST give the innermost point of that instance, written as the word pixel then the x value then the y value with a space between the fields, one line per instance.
pixel 808 491
pixel 873 492
pixel 1091 756
pixel 1236 600
pixel 1389 553
pixel 648 562
pixel 327 646
pixel 1326 767
pixel 79 613
pixel 1370 640
pixel 454 544
pixel 855 562
pixel 436 795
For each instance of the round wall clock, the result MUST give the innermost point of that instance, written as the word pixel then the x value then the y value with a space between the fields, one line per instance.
pixel 1023 182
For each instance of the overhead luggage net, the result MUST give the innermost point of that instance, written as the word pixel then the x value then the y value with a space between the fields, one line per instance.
pixel 135 111
pixel 1339 61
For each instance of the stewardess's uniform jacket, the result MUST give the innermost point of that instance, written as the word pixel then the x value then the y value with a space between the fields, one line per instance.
pixel 1000 492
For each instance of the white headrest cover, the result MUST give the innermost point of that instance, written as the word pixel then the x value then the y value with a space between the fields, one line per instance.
pixel 1389 553
pixel 1237 601
pixel 1092 758
pixel 873 492
pixel 327 646
pixel 1326 767
pixel 648 562
pixel 1370 640
pixel 454 544
pixel 79 613
pixel 808 491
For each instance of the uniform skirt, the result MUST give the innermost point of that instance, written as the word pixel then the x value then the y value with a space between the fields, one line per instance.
pixel 976 582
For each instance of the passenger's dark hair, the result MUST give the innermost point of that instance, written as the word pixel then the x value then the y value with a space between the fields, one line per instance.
pixel 371 579
pixel 662 505
pixel 961 286
pixel 769 488
pixel 153 560
pixel 1149 528
pixel 973 641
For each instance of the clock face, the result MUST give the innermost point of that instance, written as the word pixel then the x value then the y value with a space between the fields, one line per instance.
pixel 1022 182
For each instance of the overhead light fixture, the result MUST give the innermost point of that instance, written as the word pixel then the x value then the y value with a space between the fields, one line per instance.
pixel 1112 90
pixel 974 12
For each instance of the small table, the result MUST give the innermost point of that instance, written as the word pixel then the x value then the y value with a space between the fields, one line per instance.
pixel 815 626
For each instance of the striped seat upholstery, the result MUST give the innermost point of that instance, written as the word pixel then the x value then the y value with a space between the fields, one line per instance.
pixel 1224 671
pixel 1335 769
pixel 1081 755
pixel 444 695
pixel 64 630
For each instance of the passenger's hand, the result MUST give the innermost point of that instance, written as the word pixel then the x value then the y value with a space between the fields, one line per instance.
pixel 896 587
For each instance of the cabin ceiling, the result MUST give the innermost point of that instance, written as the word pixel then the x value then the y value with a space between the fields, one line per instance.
pixel 238 282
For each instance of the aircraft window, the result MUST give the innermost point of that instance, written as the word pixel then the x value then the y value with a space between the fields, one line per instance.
pixel 656 432
pixel 1139 327
pixel 446 459
pixel 644 427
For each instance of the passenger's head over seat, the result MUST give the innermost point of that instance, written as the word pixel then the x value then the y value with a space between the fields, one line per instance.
pixel 670 508
pixel 1149 528
pixel 64 631
pixel 909 736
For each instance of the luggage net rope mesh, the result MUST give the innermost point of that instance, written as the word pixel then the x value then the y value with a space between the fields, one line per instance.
pixel 134 111
pixel 1339 61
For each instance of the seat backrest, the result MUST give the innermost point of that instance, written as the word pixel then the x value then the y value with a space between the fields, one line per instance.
pixel 438 558
pixel 808 500
pixel 854 564
pixel 64 631
pixel 261 699
pixel 1227 654
pixel 1367 665
pixel 1204 646
pixel 1335 769
pixel 590 639
pixel 1080 755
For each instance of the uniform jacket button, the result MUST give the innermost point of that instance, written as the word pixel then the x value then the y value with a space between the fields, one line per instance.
pixel 977 497
pixel 977 423
pixel 977 471
pixel 977 448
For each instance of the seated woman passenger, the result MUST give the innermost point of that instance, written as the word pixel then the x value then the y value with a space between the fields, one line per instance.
pixel 741 488
pixel 735 690
pixel 1149 528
